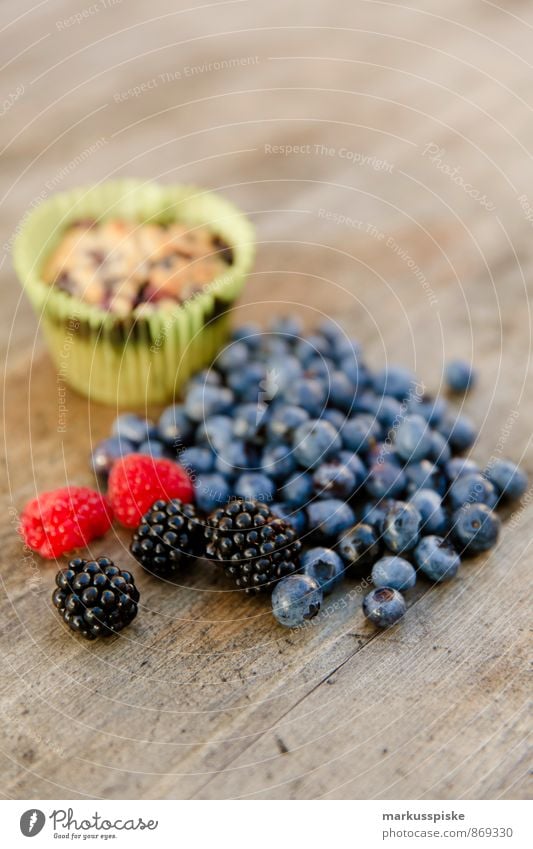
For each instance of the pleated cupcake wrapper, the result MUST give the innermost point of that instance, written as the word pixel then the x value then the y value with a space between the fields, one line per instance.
pixel 138 360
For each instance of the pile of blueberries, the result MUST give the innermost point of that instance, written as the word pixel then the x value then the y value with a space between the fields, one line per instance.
pixel 366 465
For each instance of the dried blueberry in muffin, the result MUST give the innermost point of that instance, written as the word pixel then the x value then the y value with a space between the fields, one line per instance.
pixel 121 266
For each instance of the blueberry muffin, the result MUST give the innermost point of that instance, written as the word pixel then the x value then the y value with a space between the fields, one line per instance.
pixel 121 266
pixel 133 283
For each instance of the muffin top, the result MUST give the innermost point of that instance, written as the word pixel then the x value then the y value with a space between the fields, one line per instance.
pixel 120 266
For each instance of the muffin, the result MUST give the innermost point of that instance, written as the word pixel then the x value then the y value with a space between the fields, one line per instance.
pixel 133 283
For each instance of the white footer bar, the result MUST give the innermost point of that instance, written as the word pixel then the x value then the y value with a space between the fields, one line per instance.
pixel 266 824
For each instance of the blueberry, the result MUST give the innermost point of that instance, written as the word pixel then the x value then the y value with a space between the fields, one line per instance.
pixel 334 480
pixel 325 566
pixel 385 480
pixel 287 325
pixel 309 393
pixel 373 513
pixel 321 369
pixel 472 489
pixel 296 599
pixel 308 349
pixel 384 606
pixel 341 392
pixel 174 426
pixel 440 452
pixel 255 486
pixel 304 351
pixel 393 572
pixel 297 490
pixel 197 460
pixel 282 372
pixel 344 347
pixel 508 478
pixel 460 376
pixel 434 517
pixel 234 356
pixel 355 371
pixel 356 466
pixel 331 331
pixel 249 382
pixel 211 491
pixel 273 345
pixel 425 475
pixel 459 431
pixel 396 381
pixel 431 409
pixel 234 457
pixel 360 546
pixel 215 432
pixel 132 428
pixel 250 334
pixel 475 528
pixel 206 377
pixel 284 420
pixel 383 452
pixel 360 433
pixel 314 442
pixel 329 519
pixel 205 401
pixel 401 527
pixel 458 466
pixel 248 422
pixel 388 411
pixel 370 403
pixel 294 517
pixel 278 461
pixel 152 447
pixel 106 452
pixel 413 439
pixel 437 558
pixel 334 417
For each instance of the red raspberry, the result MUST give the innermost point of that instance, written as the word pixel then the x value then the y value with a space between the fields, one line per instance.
pixel 58 521
pixel 137 481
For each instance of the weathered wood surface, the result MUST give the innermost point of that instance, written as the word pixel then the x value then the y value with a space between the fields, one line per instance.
pixel 204 696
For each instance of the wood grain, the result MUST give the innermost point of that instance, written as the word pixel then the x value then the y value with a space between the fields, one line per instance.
pixel 417 122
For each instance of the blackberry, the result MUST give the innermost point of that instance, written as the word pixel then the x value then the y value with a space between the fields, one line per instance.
pixel 169 536
pixel 256 547
pixel 95 597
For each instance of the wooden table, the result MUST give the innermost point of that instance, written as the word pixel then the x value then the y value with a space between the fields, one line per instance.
pixel 400 205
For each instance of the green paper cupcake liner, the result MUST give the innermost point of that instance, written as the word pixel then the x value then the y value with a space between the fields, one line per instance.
pixel 141 359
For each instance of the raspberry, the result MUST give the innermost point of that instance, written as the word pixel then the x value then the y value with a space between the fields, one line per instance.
pixel 58 521
pixel 137 481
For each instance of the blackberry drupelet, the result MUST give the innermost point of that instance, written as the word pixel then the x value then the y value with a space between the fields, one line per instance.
pixel 170 534
pixel 256 547
pixel 95 597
